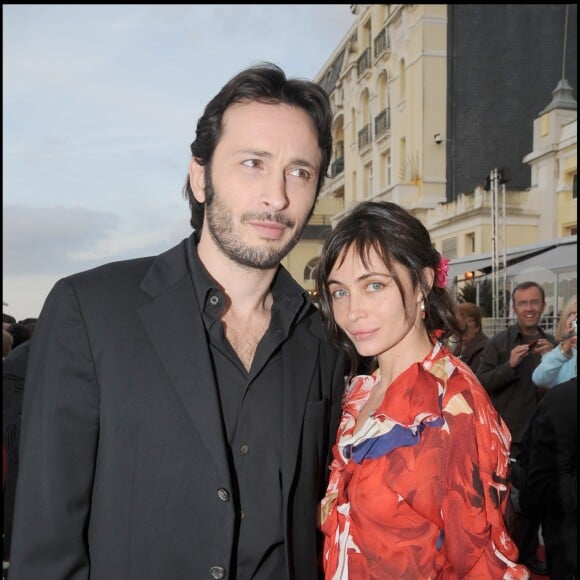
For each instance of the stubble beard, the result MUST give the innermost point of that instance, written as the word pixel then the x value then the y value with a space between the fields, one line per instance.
pixel 220 226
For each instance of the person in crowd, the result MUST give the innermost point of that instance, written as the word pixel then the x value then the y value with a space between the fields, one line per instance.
pixel 20 333
pixel 505 370
pixel 7 342
pixel 7 320
pixel 179 410
pixel 472 339
pixel 14 372
pixel 559 364
pixel 550 485
pixel 420 472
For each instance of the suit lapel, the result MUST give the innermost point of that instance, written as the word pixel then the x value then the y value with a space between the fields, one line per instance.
pixel 174 325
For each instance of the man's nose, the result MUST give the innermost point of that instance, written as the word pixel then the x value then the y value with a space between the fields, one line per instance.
pixel 274 194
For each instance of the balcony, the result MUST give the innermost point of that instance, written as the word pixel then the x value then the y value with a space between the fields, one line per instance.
pixel 337 167
pixel 364 137
pixel 381 43
pixel 383 122
pixel 363 62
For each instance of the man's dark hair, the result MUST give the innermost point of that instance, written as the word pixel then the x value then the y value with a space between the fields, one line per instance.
pixel 20 333
pixel 264 83
pixel 8 318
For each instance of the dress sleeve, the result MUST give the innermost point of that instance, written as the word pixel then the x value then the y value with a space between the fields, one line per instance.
pixel 476 539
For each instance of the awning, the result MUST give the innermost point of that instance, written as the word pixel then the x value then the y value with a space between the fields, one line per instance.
pixel 557 259
pixel 550 254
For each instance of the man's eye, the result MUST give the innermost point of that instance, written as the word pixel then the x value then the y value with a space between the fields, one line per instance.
pixel 251 162
pixel 300 172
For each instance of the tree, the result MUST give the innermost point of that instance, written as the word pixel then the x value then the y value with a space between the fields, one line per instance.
pixel 468 293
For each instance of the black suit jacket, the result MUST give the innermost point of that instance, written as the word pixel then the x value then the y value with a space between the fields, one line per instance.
pixel 123 457
pixel 550 487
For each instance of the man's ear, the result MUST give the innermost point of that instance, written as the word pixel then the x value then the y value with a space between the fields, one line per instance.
pixel 197 180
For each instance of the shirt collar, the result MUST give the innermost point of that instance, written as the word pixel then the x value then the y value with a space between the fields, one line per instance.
pixel 290 300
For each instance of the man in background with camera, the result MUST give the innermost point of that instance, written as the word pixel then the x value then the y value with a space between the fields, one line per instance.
pixel 505 370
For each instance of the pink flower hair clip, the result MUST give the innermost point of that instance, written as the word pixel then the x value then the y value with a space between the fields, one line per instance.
pixel 441 272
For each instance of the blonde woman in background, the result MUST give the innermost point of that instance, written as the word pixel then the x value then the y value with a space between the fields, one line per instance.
pixel 559 364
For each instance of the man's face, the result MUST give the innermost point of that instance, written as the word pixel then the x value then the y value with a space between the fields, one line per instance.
pixel 262 187
pixel 529 307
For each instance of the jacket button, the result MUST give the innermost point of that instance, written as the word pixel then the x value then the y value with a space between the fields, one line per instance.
pixel 223 495
pixel 217 572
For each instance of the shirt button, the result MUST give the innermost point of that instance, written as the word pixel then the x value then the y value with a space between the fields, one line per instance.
pixel 223 495
pixel 214 300
pixel 244 449
pixel 217 572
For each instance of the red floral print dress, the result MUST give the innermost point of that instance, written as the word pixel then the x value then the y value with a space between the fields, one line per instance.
pixel 420 491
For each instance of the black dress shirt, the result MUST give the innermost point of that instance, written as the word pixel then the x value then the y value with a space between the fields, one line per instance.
pixel 251 404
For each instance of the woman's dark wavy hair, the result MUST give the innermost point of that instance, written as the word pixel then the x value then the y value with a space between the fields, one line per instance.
pixel 397 236
pixel 264 83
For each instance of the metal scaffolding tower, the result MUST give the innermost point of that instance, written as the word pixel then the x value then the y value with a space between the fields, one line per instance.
pixel 497 178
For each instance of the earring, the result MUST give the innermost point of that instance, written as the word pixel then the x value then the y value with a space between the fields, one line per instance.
pixel 422 308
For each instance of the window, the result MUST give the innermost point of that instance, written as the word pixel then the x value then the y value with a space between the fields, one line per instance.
pixel 470 243
pixel 449 248
pixel 309 271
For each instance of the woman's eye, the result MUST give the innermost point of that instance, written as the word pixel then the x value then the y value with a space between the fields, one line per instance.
pixel 375 286
pixel 338 293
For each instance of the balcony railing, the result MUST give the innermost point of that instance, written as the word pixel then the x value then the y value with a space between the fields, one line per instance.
pixel 383 122
pixel 364 136
pixel 337 167
pixel 381 42
pixel 363 63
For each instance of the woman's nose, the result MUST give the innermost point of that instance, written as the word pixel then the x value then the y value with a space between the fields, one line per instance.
pixel 355 310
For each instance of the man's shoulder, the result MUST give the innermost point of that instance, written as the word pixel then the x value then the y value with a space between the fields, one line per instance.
pixel 122 271
pixel 504 335
pixel 112 269
pixel 15 363
pixel 565 391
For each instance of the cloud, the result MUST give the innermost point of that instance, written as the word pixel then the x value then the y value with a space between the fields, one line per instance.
pixel 44 240
pixel 100 104
pixel 57 240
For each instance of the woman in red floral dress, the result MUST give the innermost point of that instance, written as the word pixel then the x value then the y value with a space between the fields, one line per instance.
pixel 420 473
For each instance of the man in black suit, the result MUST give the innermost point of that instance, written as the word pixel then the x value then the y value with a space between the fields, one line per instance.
pixel 190 439
pixel 549 487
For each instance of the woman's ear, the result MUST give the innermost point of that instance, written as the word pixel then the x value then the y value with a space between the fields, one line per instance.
pixel 428 279
pixel 197 180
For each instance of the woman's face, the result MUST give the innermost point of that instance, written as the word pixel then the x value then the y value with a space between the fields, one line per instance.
pixel 569 328
pixel 367 305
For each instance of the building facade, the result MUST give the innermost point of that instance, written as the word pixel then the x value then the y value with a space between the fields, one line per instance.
pixel 429 99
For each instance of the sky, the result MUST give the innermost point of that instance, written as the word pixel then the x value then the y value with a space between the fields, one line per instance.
pixel 100 105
